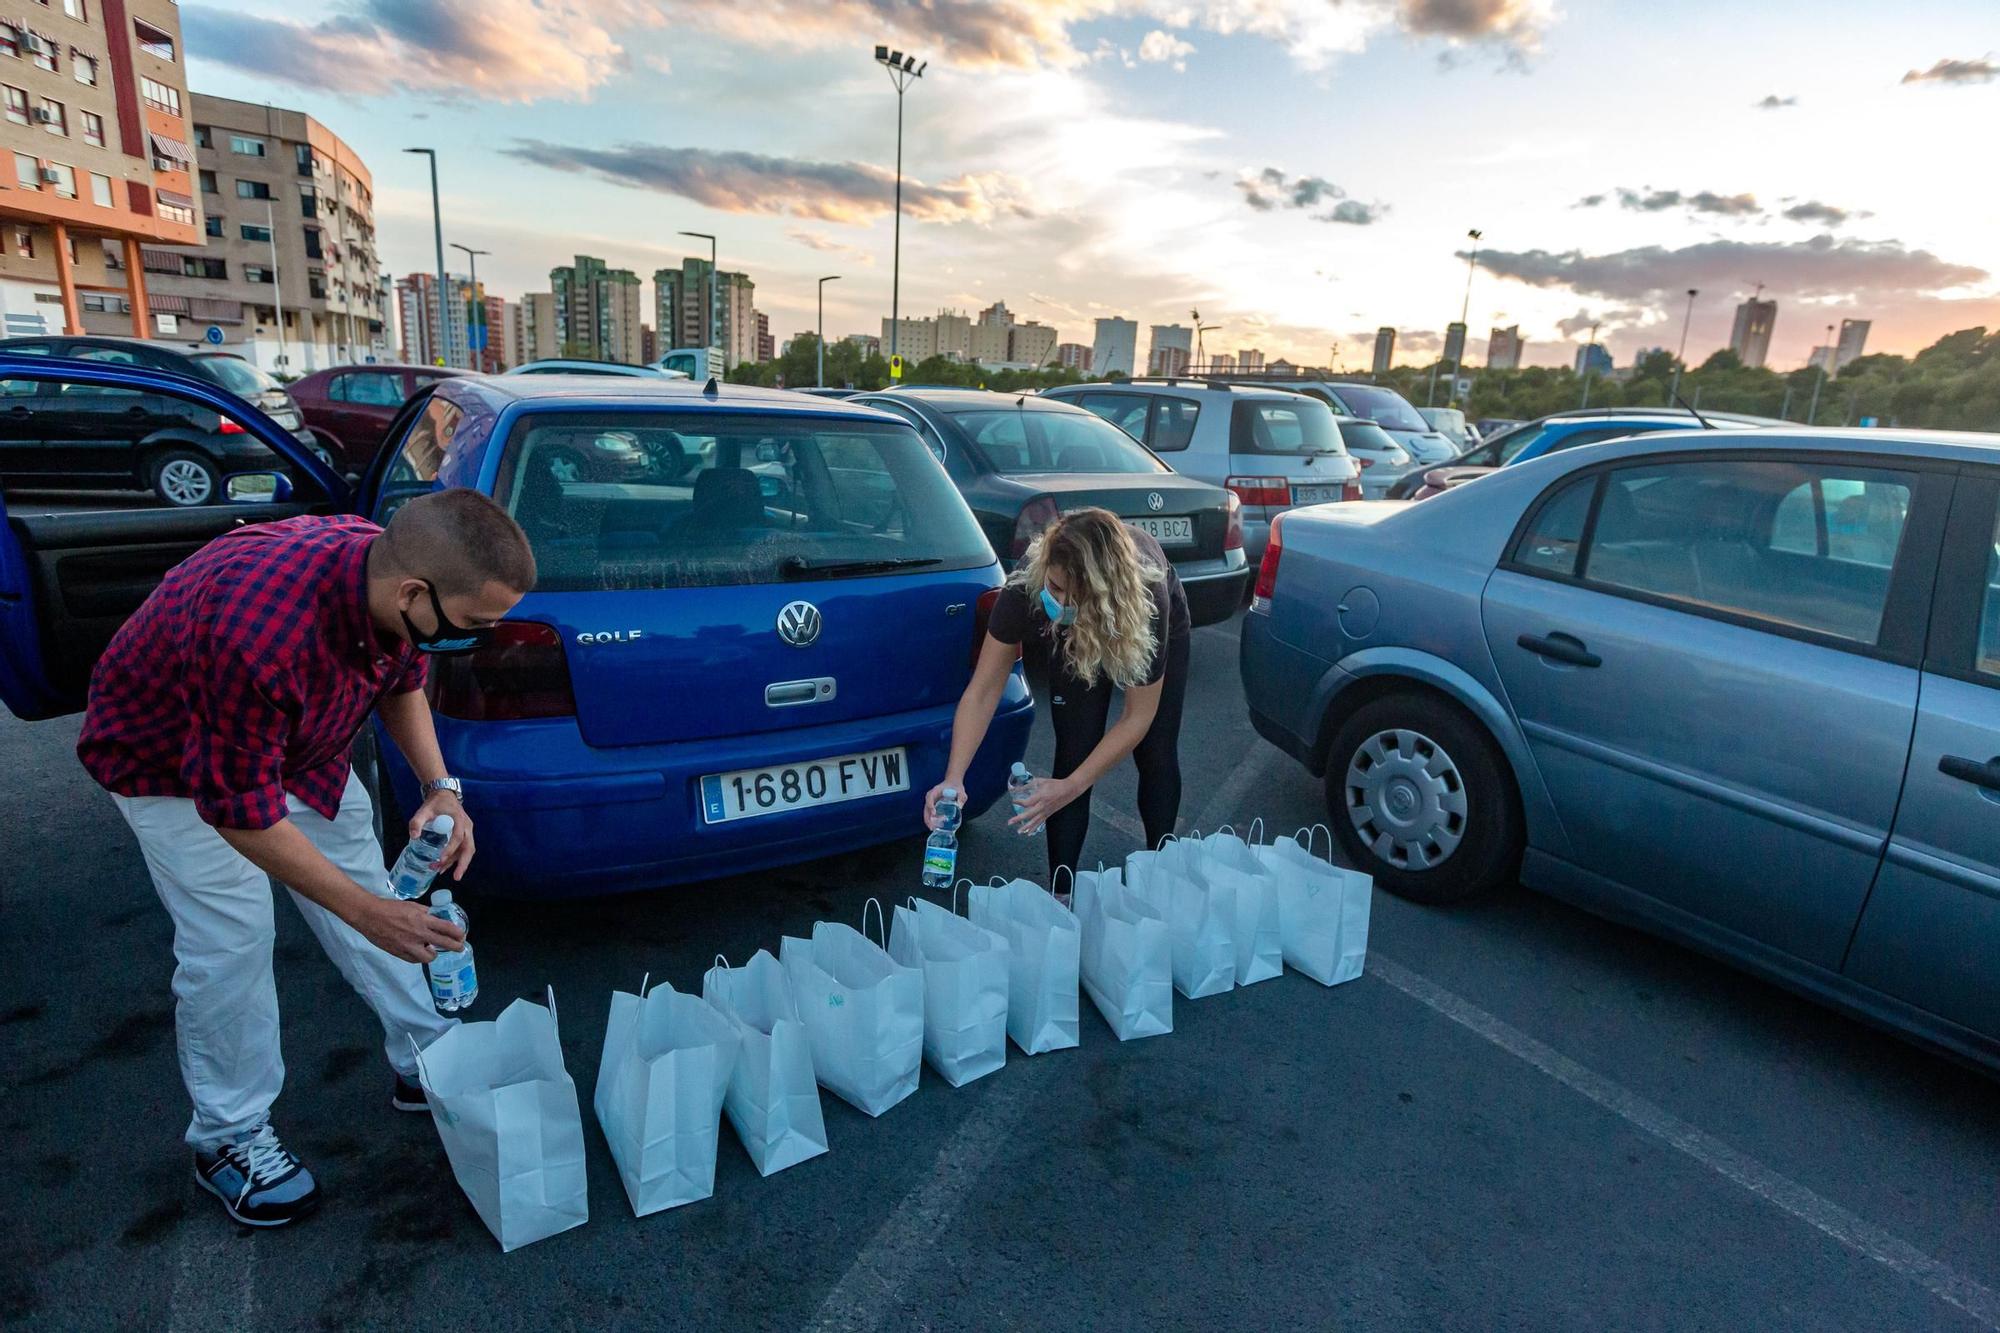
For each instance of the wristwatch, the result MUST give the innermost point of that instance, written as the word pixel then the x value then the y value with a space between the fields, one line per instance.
pixel 436 785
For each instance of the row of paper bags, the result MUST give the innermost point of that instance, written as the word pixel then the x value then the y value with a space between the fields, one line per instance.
pixel 839 1010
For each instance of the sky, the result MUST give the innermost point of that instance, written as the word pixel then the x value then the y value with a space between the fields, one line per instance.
pixel 1299 171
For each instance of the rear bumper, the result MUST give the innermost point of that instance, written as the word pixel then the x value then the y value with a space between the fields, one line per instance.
pixel 1280 684
pixel 558 818
pixel 1215 588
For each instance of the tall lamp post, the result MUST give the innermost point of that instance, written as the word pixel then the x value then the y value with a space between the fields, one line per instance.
pixel 1464 310
pixel 903 71
pixel 714 299
pixel 1812 413
pixel 1674 392
pixel 820 378
pixel 475 355
pixel 437 227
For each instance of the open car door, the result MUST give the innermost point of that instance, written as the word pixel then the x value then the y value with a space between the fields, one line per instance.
pixel 74 566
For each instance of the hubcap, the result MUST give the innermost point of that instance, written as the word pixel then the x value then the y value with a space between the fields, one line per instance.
pixel 185 482
pixel 1406 798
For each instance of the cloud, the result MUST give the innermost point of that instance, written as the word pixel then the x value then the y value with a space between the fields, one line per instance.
pixel 742 182
pixel 1773 102
pixel 1982 70
pixel 1355 213
pixel 1812 210
pixel 1822 268
pixel 1605 320
pixel 1273 188
pixel 1513 23
pixel 499 50
pixel 1701 201
pixel 1163 48
pixel 1588 201
pixel 825 244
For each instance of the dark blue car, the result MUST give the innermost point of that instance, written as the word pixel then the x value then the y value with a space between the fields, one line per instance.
pixel 756 612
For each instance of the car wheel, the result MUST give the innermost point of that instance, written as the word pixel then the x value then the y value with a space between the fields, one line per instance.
pixel 185 480
pixel 1421 799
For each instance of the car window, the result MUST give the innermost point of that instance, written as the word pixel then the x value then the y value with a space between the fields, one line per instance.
pixel 1555 534
pixel 1288 426
pixel 1596 435
pixel 1513 442
pixel 422 453
pixel 19 388
pixel 1716 534
pixel 1366 435
pixel 1988 657
pixel 1173 424
pixel 670 500
pixel 115 355
pixel 239 376
pixel 368 388
pixel 1384 407
pixel 1015 440
pixel 1127 411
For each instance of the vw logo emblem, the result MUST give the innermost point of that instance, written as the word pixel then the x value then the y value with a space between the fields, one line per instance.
pixel 799 624
pixel 1155 503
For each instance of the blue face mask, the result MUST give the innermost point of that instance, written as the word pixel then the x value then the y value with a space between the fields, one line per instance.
pixel 1057 613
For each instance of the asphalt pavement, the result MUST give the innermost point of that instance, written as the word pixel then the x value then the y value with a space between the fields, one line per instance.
pixel 1520 1117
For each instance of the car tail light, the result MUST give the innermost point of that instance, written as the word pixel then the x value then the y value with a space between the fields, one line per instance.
pixel 1365 462
pixel 1351 491
pixel 1036 515
pixel 983 613
pixel 231 428
pixel 1267 491
pixel 522 673
pixel 1232 536
pixel 1267 573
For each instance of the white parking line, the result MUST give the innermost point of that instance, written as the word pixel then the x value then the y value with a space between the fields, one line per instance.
pixel 1823 1215
pixel 215 1276
pixel 907 1242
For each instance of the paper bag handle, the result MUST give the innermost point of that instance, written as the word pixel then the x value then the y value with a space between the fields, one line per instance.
pixel 954 894
pixel 551 991
pixel 1221 829
pixel 722 962
pixel 423 1075
pixel 882 943
pixel 1257 831
pixel 644 982
pixel 1071 871
pixel 1317 828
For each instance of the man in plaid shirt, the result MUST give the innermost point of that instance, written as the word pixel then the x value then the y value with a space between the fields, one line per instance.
pixel 220 719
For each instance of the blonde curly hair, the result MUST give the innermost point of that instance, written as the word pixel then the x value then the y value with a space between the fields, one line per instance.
pixel 1111 587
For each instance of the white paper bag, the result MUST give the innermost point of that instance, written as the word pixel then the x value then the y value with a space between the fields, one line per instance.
pixel 965 988
pixel 773 1100
pixel 1200 914
pixel 1043 948
pixel 1322 909
pixel 660 1083
pixel 863 1011
pixel 1127 958
pixel 506 1109
pixel 1259 952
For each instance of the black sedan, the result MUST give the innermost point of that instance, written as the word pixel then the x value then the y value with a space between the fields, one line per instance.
pixel 1021 460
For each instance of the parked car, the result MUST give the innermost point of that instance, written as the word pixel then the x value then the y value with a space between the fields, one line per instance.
pixel 1369 402
pixel 1488 427
pixel 1546 436
pixel 570 365
pixel 1383 462
pixel 749 655
pixel 830 392
pixel 1020 460
pixel 1450 423
pixel 347 408
pixel 1739 688
pixel 1273 449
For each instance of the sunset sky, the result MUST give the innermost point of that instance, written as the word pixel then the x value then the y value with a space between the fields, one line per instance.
pixel 1299 170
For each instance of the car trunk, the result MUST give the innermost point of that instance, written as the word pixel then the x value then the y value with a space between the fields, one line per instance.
pixel 1133 496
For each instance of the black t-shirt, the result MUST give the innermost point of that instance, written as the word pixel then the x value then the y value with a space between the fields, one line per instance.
pixel 1015 613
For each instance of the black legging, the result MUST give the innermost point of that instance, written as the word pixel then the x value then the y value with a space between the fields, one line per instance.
pixel 1080 714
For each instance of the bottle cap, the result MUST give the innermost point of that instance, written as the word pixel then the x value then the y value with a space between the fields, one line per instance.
pixel 441 824
pixel 1021 771
pixel 442 898
pixel 950 793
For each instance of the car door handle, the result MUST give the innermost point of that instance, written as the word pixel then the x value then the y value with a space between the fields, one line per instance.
pixel 1985 775
pixel 1560 648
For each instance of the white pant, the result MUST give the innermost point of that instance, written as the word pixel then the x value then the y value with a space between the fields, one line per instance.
pixel 226 999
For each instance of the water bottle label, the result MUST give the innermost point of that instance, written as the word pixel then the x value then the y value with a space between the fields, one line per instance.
pixel 940 861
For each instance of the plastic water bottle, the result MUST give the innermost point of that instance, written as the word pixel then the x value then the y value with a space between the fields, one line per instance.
pixel 941 849
pixel 1019 783
pixel 454 985
pixel 417 866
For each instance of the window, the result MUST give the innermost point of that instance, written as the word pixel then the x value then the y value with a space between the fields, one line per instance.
pixel 1555 533
pixel 202 266
pixel 208 185
pixel 24 242
pixel 313 248
pixel 203 137
pixel 308 202
pixel 85 67
pixel 303 155
pixel 1729 536
pixel 53 117
pixel 93 127
pixel 372 389
pixel 1987 659
pixel 64 185
pixel 160 96
pixel 212 224
pixel 10 40
pixel 252 190
pixel 1173 424
pixel 253 231
pixel 17 104
pixel 1384 407
pixel 172 212
pixel 246 146
pixel 44 52
pixel 1127 411
pixel 75 9
pixel 106 304
pixel 252 273
pixel 1283 426
pixel 100 190
pixel 153 41
pixel 1015 440
pixel 316 286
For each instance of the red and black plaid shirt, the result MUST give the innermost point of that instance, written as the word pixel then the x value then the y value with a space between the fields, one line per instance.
pixel 246 675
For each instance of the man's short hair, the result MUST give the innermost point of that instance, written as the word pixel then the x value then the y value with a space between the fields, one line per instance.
pixel 460 540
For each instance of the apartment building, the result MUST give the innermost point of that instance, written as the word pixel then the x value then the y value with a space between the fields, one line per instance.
pixel 1385 351
pixel 1750 335
pixel 1249 359
pixel 947 333
pixel 418 315
pixel 1116 347
pixel 1504 348
pixel 95 95
pixel 537 339
pixel 1171 347
pixel 1073 356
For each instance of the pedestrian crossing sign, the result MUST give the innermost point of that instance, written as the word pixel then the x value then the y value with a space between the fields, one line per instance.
pixel 895 367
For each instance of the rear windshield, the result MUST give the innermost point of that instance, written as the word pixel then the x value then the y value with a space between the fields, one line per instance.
pixel 673 500
pixel 1366 435
pixel 1384 407
pixel 1283 426
pixel 1015 440
pixel 239 377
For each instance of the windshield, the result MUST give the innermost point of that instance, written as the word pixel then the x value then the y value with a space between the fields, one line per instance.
pixel 1384 407
pixel 1015 440
pixel 1283 426
pixel 1514 441
pixel 672 500
pixel 239 377
pixel 1366 435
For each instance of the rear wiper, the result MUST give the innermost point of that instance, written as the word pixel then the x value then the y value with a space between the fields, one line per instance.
pixel 799 567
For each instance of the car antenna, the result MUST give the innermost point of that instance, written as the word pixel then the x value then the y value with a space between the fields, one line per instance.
pixel 709 390
pixel 1706 424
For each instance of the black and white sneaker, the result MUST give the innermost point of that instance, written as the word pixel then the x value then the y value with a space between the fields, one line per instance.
pixel 260 1183
pixel 408 1095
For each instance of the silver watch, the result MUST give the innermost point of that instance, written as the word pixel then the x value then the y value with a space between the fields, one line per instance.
pixel 436 785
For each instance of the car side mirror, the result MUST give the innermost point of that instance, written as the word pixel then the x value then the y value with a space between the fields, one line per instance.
pixel 259 488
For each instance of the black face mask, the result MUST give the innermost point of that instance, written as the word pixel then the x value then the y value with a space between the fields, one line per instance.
pixel 448 639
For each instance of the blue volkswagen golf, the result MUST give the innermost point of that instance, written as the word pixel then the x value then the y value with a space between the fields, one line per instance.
pixel 755 614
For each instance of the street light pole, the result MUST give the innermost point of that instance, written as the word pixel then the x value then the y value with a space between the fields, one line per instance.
pixel 277 279
pixel 903 71
pixel 1673 393
pixel 1464 311
pixel 714 299
pixel 437 227
pixel 1812 413
pixel 820 377
pixel 475 355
